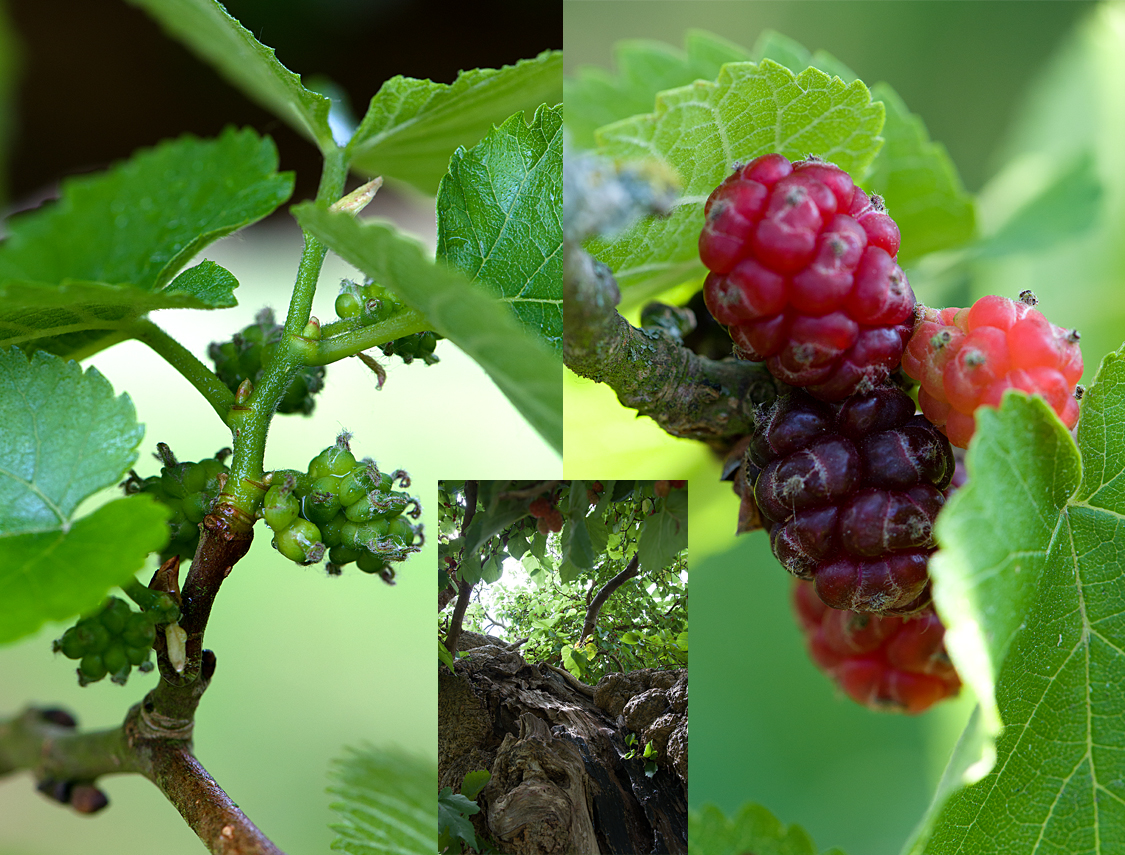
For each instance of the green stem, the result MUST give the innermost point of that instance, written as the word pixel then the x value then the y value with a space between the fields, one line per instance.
pixel 250 420
pixel 184 361
pixel 353 341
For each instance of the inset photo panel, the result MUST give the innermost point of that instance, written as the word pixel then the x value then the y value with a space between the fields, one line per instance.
pixel 562 675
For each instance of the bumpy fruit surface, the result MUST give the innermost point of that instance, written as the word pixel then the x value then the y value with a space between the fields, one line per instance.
pixel 880 661
pixel 251 348
pixel 370 303
pixel 967 358
pixel 346 508
pixel 188 489
pixel 849 493
pixel 115 639
pixel 804 276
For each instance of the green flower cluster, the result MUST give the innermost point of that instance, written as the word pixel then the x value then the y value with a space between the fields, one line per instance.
pixel 115 639
pixel 189 489
pixel 251 348
pixel 371 303
pixel 345 508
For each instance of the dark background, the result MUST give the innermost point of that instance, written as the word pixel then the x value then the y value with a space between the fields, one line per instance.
pixel 100 79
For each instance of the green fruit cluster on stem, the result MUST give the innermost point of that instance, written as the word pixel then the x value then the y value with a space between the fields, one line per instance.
pixel 346 508
pixel 188 489
pixel 371 303
pixel 246 354
pixel 113 640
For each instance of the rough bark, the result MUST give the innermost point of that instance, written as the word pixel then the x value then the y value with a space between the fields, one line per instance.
pixel 560 781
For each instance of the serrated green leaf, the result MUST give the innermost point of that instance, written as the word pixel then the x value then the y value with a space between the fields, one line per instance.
pixel 993 549
pixel 412 126
pixel 54 575
pixel 453 812
pixel 1031 593
pixel 517 546
pixel 210 283
pixel 915 176
pixel 387 803
pixel 209 30
pixel 102 255
pixel 700 131
pixel 522 367
pixel 594 97
pixel 539 545
pixel 491 570
pixel 65 436
pixel 599 533
pixel 499 216
pixel 752 829
pixel 665 533
pixel 568 572
pixel 474 782
pixel 488 523
pixel 577 548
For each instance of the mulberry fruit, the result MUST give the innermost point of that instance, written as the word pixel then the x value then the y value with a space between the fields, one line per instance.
pixel 967 358
pixel 803 275
pixel 849 493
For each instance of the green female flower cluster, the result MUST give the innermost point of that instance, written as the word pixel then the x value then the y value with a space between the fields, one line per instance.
pixel 371 303
pixel 115 639
pixel 344 508
pixel 189 489
pixel 250 349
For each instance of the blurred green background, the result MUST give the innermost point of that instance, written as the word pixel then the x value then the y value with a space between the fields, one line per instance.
pixel 1017 92
pixel 306 664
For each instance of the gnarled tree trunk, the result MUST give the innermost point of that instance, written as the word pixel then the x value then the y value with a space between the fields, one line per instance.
pixel 556 748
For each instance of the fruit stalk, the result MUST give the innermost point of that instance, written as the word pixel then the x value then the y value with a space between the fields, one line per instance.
pixel 686 394
pixel 225 537
pixel 184 361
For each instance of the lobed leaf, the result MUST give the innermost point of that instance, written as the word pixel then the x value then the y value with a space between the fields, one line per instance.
pixel 524 369
pixel 412 126
pixel 499 218
pixel 386 803
pixel 65 437
pixel 595 97
pixel 102 254
pixel 752 829
pixel 210 31
pixel 1029 578
pixel 701 130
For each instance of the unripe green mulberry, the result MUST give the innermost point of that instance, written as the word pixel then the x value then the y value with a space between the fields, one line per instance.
pixel 280 507
pixel 369 302
pixel 347 508
pixel 300 542
pixel 417 346
pixel 335 460
pixel 188 490
pixel 114 639
pixel 250 349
